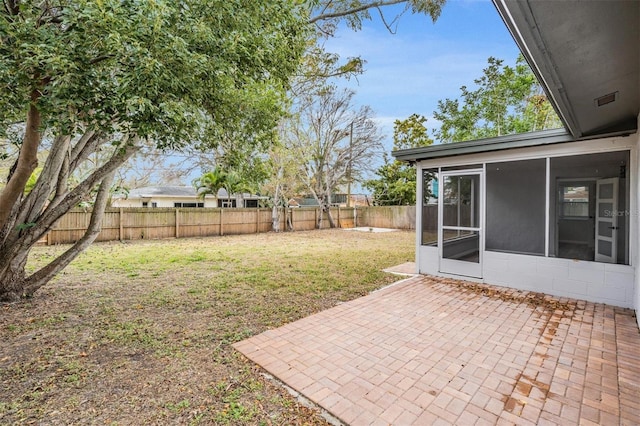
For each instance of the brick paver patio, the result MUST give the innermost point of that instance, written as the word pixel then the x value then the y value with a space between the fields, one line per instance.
pixel 437 351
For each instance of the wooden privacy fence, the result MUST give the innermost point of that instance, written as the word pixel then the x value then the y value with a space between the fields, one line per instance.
pixel 157 223
pixel 396 217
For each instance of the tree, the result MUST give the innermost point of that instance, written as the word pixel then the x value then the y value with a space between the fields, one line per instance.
pixel 283 183
pixel 506 100
pixel 396 182
pixel 85 76
pixel 234 183
pixel 210 183
pixel 317 67
pixel 330 142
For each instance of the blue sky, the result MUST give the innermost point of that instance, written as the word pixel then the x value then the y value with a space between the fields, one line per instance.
pixel 408 72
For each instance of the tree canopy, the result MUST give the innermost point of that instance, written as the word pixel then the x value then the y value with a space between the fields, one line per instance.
pixel 85 76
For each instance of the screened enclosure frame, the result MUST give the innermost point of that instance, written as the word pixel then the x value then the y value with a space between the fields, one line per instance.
pixel 547 224
pixel 460 244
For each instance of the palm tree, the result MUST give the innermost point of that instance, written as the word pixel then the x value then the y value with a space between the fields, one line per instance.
pixel 234 184
pixel 211 182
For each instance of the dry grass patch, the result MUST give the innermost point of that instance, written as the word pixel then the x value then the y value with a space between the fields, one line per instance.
pixel 140 333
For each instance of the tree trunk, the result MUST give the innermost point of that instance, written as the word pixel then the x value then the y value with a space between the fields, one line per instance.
pixel 12 282
pixel 288 214
pixel 27 163
pixel 275 216
pixel 332 222
pixel 18 242
pixel 275 220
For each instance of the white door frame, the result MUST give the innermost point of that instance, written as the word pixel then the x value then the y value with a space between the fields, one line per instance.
pixel 453 266
pixel 609 220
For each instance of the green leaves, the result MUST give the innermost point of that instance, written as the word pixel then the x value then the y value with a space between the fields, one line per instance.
pixel 505 100
pixel 411 133
pixel 230 180
pixel 210 183
pixel 157 69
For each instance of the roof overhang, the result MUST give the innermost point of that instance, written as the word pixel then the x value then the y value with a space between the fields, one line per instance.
pixel 522 140
pixel 501 143
pixel 586 55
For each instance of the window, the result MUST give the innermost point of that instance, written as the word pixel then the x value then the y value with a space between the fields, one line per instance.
pixel 154 204
pixel 188 205
pixel 145 204
pixel 430 207
pixel 574 201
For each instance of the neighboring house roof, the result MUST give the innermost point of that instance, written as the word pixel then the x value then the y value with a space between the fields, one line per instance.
pixel 162 191
pixel 178 191
pixel 584 53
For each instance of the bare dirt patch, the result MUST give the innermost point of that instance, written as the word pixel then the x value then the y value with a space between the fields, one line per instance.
pixel 140 333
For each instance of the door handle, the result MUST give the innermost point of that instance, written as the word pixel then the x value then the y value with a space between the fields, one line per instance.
pixel 613 227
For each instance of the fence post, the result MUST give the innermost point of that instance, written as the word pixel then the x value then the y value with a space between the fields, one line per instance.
pixel 177 223
pixel 221 223
pixel 258 220
pixel 120 225
pixel 339 225
pixel 355 217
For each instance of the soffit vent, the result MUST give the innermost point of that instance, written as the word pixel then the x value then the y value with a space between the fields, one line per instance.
pixel 606 99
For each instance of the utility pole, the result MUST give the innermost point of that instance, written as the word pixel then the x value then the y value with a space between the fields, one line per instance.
pixel 349 169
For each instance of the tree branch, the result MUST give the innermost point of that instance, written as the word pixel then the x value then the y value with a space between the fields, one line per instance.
pixel 83 148
pixel 56 211
pixel 41 277
pixel 39 195
pixel 27 162
pixel 361 8
pixel 12 6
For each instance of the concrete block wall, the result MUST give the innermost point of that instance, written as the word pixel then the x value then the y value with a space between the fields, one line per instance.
pixel 596 282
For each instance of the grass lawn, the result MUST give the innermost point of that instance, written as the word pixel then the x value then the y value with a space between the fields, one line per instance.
pixel 140 333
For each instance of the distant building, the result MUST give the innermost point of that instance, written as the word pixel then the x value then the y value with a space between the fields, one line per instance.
pixel 183 197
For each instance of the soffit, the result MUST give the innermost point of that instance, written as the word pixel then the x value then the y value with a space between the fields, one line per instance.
pixel 581 51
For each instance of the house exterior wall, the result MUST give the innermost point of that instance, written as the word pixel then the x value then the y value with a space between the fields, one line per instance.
pixel 613 284
pixel 167 202
pixel 596 282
